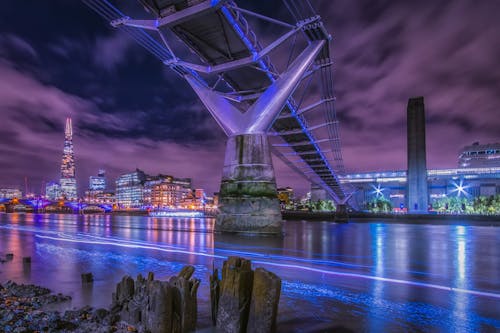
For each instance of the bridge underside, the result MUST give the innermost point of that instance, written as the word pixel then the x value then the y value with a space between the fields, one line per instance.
pixel 212 46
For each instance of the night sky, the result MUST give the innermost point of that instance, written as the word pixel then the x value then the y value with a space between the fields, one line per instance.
pixel 60 59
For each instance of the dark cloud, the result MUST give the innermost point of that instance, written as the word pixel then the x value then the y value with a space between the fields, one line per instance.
pixel 12 46
pixel 112 51
pixel 130 111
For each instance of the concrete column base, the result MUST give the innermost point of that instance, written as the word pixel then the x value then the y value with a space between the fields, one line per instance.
pixel 341 214
pixel 248 202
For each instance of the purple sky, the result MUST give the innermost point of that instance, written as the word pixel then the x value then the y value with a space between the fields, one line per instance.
pixel 130 111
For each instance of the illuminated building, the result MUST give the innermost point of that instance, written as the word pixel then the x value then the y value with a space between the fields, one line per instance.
pixel 199 195
pixel 166 195
pixel 149 184
pixel 188 201
pixel 391 185
pixel 130 189
pixel 186 187
pixel 480 156
pixel 139 190
pixel 99 197
pixel 68 180
pixel 98 183
pixel 97 190
pixel 52 191
pixel 10 193
pixel 161 192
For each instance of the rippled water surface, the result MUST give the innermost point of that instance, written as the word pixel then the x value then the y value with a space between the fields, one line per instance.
pixel 358 276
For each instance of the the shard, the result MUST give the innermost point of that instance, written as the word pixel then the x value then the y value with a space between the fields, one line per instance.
pixel 68 180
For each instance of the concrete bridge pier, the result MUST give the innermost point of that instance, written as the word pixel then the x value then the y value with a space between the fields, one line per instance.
pixel 248 200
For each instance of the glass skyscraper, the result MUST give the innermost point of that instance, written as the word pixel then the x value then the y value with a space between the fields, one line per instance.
pixel 52 191
pixel 98 183
pixel 130 189
pixel 68 180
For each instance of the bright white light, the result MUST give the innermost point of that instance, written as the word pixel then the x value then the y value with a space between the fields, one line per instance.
pixel 460 188
pixel 378 191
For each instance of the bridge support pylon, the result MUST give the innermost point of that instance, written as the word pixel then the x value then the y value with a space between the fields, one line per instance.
pixel 248 201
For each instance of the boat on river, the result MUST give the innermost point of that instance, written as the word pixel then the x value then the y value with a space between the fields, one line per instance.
pixel 176 213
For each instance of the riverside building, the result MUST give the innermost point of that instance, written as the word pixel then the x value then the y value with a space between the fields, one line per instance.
pixel 137 190
pixel 10 193
pixel 480 156
pixel 416 189
pixel 161 192
pixel 98 183
pixel 97 193
pixel 391 185
pixel 52 191
pixel 130 190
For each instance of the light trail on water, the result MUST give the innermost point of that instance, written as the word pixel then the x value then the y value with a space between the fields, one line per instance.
pixel 142 245
pixel 132 246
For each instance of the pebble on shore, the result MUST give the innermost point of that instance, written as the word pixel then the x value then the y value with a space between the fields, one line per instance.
pixel 22 310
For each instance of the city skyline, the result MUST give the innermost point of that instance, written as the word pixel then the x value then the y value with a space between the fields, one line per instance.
pixel 79 67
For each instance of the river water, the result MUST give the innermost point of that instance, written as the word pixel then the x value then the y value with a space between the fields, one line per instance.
pixel 371 277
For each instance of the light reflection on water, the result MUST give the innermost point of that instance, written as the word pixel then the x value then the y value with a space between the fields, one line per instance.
pixel 375 277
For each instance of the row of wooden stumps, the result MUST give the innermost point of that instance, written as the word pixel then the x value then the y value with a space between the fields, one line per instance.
pixel 158 306
pixel 242 301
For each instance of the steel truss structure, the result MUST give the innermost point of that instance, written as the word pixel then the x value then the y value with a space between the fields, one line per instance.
pixel 236 77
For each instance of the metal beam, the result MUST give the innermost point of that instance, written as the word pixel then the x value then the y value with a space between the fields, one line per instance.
pixel 262 114
pixel 235 64
pixel 302 143
pixel 299 130
pixel 226 114
pixel 316 68
pixel 314 105
pixel 172 19
pixel 265 18
pixel 307 108
pixel 307 152
pixel 306 161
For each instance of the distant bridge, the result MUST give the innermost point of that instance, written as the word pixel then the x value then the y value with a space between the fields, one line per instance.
pixel 41 204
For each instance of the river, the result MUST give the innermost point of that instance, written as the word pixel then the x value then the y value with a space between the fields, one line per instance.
pixel 372 277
